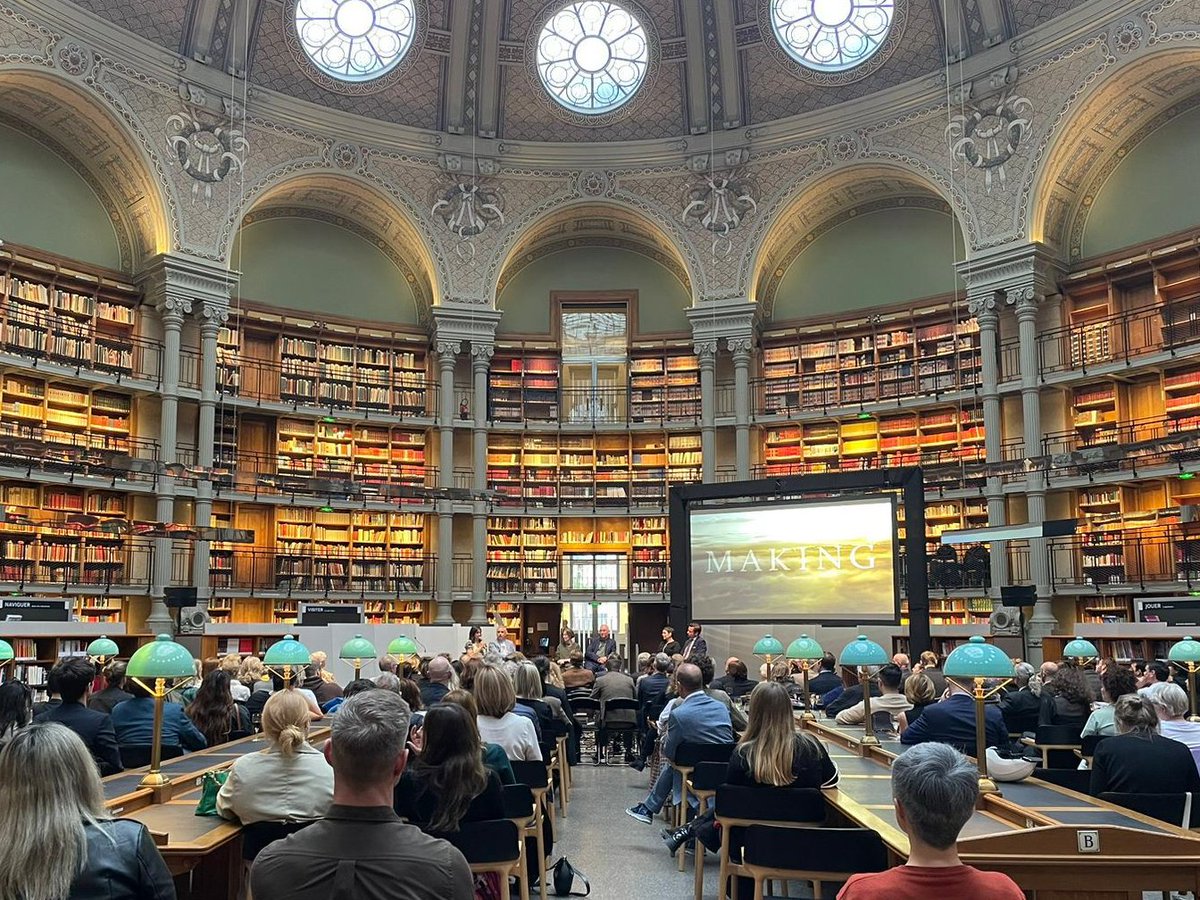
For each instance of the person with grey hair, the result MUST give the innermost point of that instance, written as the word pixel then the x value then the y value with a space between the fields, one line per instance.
pixel 1170 701
pixel 1140 760
pixel 934 791
pixel 1020 707
pixel 388 681
pixel 361 848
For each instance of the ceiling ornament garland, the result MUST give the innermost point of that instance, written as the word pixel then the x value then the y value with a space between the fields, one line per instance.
pixel 466 209
pixel 207 153
pixel 719 202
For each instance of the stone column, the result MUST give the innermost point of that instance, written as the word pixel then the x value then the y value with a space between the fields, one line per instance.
pixel 212 316
pixel 171 310
pixel 447 357
pixel 986 312
pixel 707 351
pixel 479 563
pixel 741 349
pixel 481 361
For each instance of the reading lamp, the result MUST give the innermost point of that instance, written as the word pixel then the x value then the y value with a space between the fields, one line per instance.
pixel 402 648
pixel 356 651
pixel 805 650
pixel 858 655
pixel 286 654
pixel 152 666
pixel 979 661
pixel 1083 652
pixel 1187 654
pixel 768 648
pixel 102 650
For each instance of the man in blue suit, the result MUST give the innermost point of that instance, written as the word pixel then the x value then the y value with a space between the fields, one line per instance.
pixel 134 722
pixel 952 721
pixel 696 719
pixel 72 677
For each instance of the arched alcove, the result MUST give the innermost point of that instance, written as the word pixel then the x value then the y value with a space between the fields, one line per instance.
pixel 1154 190
pixel 48 205
pixel 309 265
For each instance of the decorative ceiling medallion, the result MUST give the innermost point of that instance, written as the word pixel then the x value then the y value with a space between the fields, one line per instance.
pixel 576 52
pixel 832 42
pixel 207 153
pixel 355 47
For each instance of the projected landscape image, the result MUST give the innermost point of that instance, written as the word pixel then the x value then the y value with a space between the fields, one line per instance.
pixel 806 561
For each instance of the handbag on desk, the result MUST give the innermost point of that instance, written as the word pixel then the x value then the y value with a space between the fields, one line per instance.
pixel 210 784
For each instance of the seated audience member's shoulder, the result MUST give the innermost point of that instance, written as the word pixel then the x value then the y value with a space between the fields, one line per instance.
pixel 921 882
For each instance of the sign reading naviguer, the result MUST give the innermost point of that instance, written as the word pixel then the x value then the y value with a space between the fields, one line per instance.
pixel 794 561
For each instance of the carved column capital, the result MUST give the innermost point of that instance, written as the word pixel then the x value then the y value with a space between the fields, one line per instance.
pixel 171 309
pixel 212 316
pixel 740 348
pixel 707 351
pixel 481 355
pixel 448 350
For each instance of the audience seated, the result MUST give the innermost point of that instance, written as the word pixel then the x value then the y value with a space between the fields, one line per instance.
pixel 213 711
pixel 16 709
pixel 1151 672
pixel 498 723
pixel 901 662
pixel 918 691
pixel 1139 760
pixel 73 676
pixel 494 756
pixel 289 780
pixel 133 721
pixel 930 667
pixel 258 696
pixel 231 664
pixel 696 719
pixel 826 679
pixel 1171 705
pixel 952 721
pixel 446 782
pixel 323 688
pixel 707 670
pixel 1020 707
pixel 934 790
pixel 889 700
pixel 615 685
pixel 736 681
pixel 361 848
pixel 114 688
pixel 577 675
pixel 528 686
pixel 437 681
pixel 1115 682
pixel 357 686
pixel 1066 698
pixel 851 693
pixel 60 840
pixel 771 753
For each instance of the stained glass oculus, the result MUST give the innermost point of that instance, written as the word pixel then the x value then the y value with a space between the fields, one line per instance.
pixel 831 35
pixel 592 56
pixel 356 40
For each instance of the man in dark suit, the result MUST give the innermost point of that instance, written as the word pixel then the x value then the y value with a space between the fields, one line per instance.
pixel 952 721
pixel 651 689
pixel 1020 707
pixel 670 645
pixel 114 688
pixel 696 645
pixel 615 685
pixel 696 719
pixel 599 649
pixel 73 677
pixel 736 681
pixel 434 687
pixel 826 678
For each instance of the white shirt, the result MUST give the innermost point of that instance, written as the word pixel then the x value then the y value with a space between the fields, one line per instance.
pixel 271 787
pixel 240 692
pixel 513 733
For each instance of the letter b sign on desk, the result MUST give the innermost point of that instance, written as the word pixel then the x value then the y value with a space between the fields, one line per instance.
pixel 1089 841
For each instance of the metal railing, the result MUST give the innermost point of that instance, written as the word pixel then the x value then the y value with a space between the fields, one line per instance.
pixel 257 570
pixel 74 559
pixel 38 337
pixel 541 487
pixel 37 448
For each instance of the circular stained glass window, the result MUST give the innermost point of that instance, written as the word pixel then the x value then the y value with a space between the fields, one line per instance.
pixel 831 35
pixel 355 40
pixel 592 56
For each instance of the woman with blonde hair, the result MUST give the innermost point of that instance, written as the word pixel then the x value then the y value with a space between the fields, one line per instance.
pixel 251 672
pixel 919 691
pixel 288 781
pixel 231 664
pixel 59 841
pixel 771 753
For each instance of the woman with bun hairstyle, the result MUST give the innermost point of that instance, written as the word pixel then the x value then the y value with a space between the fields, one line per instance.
pixel 288 781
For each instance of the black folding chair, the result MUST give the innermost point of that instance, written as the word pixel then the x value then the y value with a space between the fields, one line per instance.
pixel 587 720
pixel 609 728
pixel 810 854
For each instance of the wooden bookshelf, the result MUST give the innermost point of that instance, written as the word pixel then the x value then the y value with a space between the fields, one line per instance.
pixel 524 389
pixel 374 453
pixel 664 385
pixel 1121 641
pixel 35 654
pixel 63 413
pixel 902 354
pixel 953 610
pixel 522 555
pixel 648 556
pixel 60 313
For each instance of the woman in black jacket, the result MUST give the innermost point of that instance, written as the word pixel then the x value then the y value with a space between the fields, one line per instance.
pixel 1139 760
pixel 1066 699
pixel 59 841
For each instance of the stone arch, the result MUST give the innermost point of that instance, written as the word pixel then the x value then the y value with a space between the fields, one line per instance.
pixel 357 205
pixel 828 200
pixel 1107 120
pixel 81 129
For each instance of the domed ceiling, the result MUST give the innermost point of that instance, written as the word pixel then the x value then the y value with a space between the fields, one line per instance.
pixel 672 68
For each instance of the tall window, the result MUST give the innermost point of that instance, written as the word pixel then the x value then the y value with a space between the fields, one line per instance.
pixel 595 351
pixel 592 56
pixel 356 40
pixel 831 35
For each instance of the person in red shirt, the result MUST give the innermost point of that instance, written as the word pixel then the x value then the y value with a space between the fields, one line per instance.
pixel 934 789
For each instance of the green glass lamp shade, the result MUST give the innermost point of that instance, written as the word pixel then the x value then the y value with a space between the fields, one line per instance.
pixel 863 651
pixel 403 646
pixel 804 647
pixel 288 652
pixel 768 646
pixel 161 658
pixel 977 659
pixel 1080 648
pixel 1186 651
pixel 357 647
pixel 6 651
pixel 103 646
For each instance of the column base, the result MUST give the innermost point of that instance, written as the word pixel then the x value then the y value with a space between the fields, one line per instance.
pixel 478 613
pixel 444 614
pixel 160 620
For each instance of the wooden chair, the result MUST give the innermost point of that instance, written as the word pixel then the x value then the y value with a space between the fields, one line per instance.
pixel 560 768
pixel 521 809
pixel 706 777
pixel 810 854
pixel 1055 743
pixel 587 720
pixel 536 776
pixel 739 807
pixel 494 847
pixel 687 756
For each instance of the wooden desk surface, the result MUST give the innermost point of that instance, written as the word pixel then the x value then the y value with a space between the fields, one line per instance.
pixel 1031 830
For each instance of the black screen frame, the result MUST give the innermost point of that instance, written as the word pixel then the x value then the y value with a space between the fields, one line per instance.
pixel 909 481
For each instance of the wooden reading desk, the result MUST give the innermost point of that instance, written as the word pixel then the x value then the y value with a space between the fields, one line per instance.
pixel 1055 842
pixel 204 853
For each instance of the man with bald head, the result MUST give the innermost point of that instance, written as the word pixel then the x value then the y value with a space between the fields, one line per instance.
pixel 437 681
pixel 696 718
